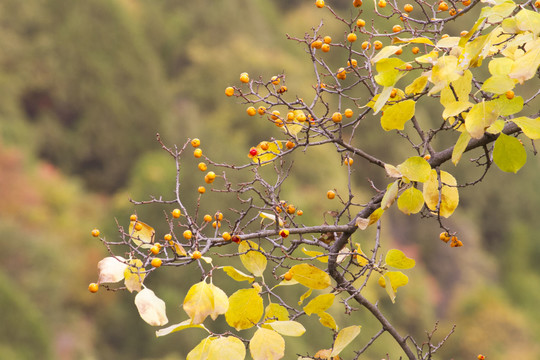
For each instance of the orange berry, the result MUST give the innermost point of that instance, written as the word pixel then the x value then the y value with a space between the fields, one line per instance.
pixel 138 226
pixel 299 213
pixel 319 3
pixel 348 113
pixel 327 39
pixel 289 145
pixel 444 236
pixel 284 233
pixel 216 224
pixel 155 249
pixel 226 236
pixel 229 91
pixel 202 166
pixel 196 255
pixel 348 161
pixel 464 33
pixel 93 287
pixel 360 23
pixel 408 67
pixel 317 44
pixel 443 6
pixel 95 233
pixel 251 111
pixel 197 153
pixel 468 2
pixel 167 237
pixel 195 142
pixel 218 216
pixel 211 175
pixel 156 262
pixel 452 12
pixel 244 77
pixel 341 74
pixel 408 8
pixel 510 94
pixel 265 145
pixel 337 117
pixel 133 217
pixel 275 115
pixel 415 50
pixel 331 194
pixel 201 189
pixel 427 157
pixel 282 89
pixel 236 239
pixel 396 28
pixel 377 45
pixel 287 276
pixel 399 51
pixel 207 218
pixel 275 80
pixel 176 213
pixel 393 93
pixel 301 117
pixel 482 357
pixel 382 3
pixel 357 3
pixel 261 110
pixel 366 45
pixel 352 63
pixel 352 37
pixel 291 209
pixel 325 48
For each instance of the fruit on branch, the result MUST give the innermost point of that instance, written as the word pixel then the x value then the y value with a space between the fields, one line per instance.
pixel 352 37
pixel 282 89
pixel 201 189
pixel 331 194
pixel 133 217
pixel 226 236
pixel 156 262
pixel 251 111
pixel 377 45
pixel 360 23
pixel 229 91
pixel 291 209
pixel 138 226
pixel 197 153
pixel 397 28
pixel 348 161
pixel 319 4
pixel 207 218
pixel 216 224
pixel 275 80
pixel 275 115
pixel 244 77
pixel 236 239
pixel 176 213
pixel 195 142
pixel 253 151
pixel 341 74
pixel 408 8
pixel 284 233
pixel 509 94
pixel 167 237
pixel 352 63
pixel 317 44
pixel 382 3
pixel 261 110
pixel 196 255
pixel 187 234
pixel 444 236
pixel 348 112
pixel 202 166
pixel 93 287
pixel 415 50
pixel 327 39
pixel 287 276
pixel 299 213
pixel 265 145
pixel 337 117
pixel 289 145
pixel 155 249
pixel 210 177
pixel 366 45
pixel 443 6
pixel 95 232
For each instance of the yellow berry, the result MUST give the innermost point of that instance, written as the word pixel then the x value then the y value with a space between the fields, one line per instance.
pixel 264 145
pixel 195 142
pixel 291 209
pixel 196 255
pixel 337 117
pixel 133 217
pixel 155 249
pixel 176 213
pixel 382 3
pixel 275 80
pixel 427 157
pixel 415 50
pixel 197 153
pixel 201 189
pixel 408 8
pixel 351 37
pixel 211 175
pixel 226 236
pixel 331 194
pixel 218 216
pixel 93 287
pixel 244 77
pixel 352 63
pixel 444 236
pixel 261 110
pixel 399 51
pixel 167 237
pixel 348 113
pixel 319 3
pixel 289 145
pixel 452 12
pixel 360 23
pixel 207 218
pixel 138 226
pixel 366 45
pixel 393 93
pixel 156 262
pixel 396 28
pixel 377 45
pixel 317 44
pixel 251 111
pixel 229 91
pixel 300 213
pixel 95 233
pixel 202 166
pixel 327 39
pixel 275 115
pixel 348 161
pixel 443 6
pixel 341 74
pixel 325 48
pixel 468 2
pixel 357 3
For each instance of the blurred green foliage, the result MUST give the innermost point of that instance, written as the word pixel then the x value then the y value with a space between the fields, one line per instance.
pixel 85 87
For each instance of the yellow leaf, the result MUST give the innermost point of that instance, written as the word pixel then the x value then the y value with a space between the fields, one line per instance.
pixel 344 338
pixel 237 274
pixel 266 345
pixel 525 67
pixel 508 153
pixel 443 73
pixel 461 88
pixel 375 216
pixel 111 269
pixel 415 168
pixel 390 195
pixel 220 302
pixel 395 116
pixel 266 156
pixel 245 309
pixel 304 296
pixel 417 86
pixel 134 275
pixel 397 279
pixel 385 52
pixel 275 312
pixel 480 117
pixel 253 259
pixel 199 302
pixel 506 107
pixel 448 42
pixel 143 238
pixel 310 276
pixel 455 108
pixel 316 254
pixel 460 147
pixel 319 304
pixel 151 308
pixel 530 127
pixel 397 259
pixel 381 99
pixel 186 324
pixel 449 193
pixel 417 40
pixel 178 249
pixel 429 58
pixel 200 352
pixel 361 258
pixel 271 217
pixel 327 320
pixel 229 347
pixel 389 71
pixel 288 328
pixel 496 127
pixel 411 201
pixel 500 66
pixel 527 20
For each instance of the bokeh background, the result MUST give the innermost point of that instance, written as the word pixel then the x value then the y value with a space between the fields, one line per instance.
pixel 84 88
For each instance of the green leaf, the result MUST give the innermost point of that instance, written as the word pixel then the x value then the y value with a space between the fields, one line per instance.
pixel 509 154
pixel 449 193
pixel 288 327
pixel 530 127
pixel 310 276
pixel 460 147
pixel 245 309
pixel 237 274
pixel 397 259
pixel 319 304
pixel 415 168
pixel 253 259
pixel 229 347
pixel 395 116
pixel 266 345
pixel 411 201
pixel 344 338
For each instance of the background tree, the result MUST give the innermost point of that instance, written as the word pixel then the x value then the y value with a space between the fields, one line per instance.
pixel 388 74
